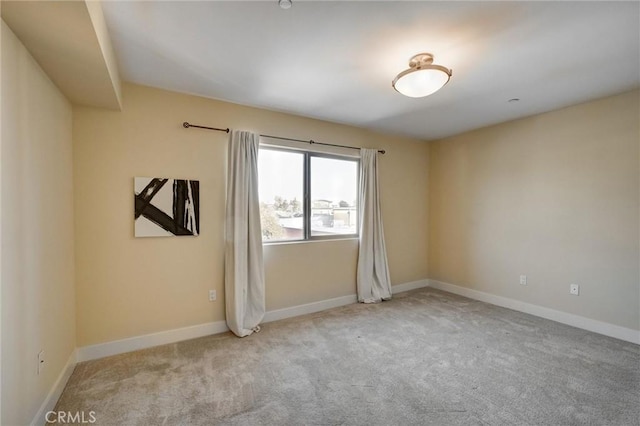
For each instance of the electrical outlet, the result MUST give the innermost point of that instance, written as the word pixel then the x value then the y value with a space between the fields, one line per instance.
pixel 574 289
pixel 212 295
pixel 523 280
pixel 40 361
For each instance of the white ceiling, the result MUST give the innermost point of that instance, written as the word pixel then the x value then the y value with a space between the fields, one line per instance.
pixel 335 60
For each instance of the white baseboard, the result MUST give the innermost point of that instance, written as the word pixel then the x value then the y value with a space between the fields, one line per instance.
pixel 323 305
pixel 409 286
pixel 611 330
pixel 101 350
pixel 56 390
pixel 116 347
pixel 309 308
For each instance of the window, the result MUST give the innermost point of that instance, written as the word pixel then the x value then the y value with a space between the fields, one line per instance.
pixel 306 195
pixel 281 175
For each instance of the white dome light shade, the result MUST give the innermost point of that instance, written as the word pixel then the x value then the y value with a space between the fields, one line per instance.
pixel 422 78
pixel 419 83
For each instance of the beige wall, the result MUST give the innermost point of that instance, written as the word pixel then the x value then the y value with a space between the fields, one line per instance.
pixel 554 197
pixel 38 305
pixel 1 313
pixel 128 287
pixel 1 221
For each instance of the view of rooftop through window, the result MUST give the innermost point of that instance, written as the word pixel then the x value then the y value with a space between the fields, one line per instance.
pixel 332 190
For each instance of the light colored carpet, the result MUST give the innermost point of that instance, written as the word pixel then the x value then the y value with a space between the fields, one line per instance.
pixel 425 358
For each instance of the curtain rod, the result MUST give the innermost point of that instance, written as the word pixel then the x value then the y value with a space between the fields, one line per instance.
pixel 186 125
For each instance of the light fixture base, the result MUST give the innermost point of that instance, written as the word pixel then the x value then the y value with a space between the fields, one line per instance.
pixel 420 60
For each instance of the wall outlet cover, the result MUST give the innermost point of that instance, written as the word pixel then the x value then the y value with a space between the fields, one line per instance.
pixel 574 289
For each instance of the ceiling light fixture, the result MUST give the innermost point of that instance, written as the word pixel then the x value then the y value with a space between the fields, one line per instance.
pixel 423 78
pixel 285 4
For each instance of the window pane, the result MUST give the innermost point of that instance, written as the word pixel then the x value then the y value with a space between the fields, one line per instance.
pixel 281 189
pixel 334 186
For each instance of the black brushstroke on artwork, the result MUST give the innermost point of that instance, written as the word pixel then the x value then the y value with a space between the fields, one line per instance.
pixel 147 194
pixel 180 199
pixel 178 224
pixel 163 220
pixel 195 193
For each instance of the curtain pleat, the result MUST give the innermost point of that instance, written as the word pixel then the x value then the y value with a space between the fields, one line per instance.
pixel 244 267
pixel 373 281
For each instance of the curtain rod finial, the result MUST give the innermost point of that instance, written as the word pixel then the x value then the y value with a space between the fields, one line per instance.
pixel 185 125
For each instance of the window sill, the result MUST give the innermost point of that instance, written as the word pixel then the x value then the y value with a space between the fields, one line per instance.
pixel 320 240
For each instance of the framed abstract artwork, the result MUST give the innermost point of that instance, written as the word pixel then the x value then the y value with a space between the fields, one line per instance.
pixel 166 207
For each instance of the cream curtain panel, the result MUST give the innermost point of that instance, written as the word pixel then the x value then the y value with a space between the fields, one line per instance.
pixel 373 282
pixel 244 267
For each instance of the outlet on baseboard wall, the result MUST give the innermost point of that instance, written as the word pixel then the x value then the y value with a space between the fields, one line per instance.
pixel 523 280
pixel 574 289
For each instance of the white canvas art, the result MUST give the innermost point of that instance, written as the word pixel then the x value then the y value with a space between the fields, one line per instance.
pixel 166 207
